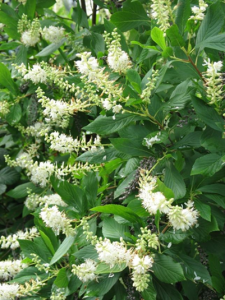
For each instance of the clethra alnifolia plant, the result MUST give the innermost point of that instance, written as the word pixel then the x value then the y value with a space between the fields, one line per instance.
pixel 112 150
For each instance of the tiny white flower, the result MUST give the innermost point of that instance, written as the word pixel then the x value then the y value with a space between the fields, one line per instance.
pixel 53 34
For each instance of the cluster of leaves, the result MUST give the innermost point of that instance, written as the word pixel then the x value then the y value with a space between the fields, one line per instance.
pixel 188 157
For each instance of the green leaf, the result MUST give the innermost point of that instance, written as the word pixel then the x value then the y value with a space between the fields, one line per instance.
pixel 9 46
pixel 3 188
pixel 175 37
pixel 9 176
pixel 167 270
pixel 208 164
pixel 129 146
pixel 6 80
pixel 47 242
pixel 132 16
pixel 217 188
pixel 63 249
pixel 122 187
pixel 45 3
pixel 216 42
pixel 210 26
pixel 113 230
pixel 218 199
pixel 191 140
pixel 106 125
pixel 202 232
pixel 100 288
pixel 30 8
pixel 28 273
pixel 61 279
pixel 51 48
pixel 119 210
pixel 14 115
pixel 174 181
pixel 158 37
pixel 87 252
pixel 176 237
pixel 193 268
pixel 97 42
pixel 104 268
pixel 134 79
pixel 21 55
pixel 90 187
pixel 20 191
pixel 208 114
pixel 71 194
pixel 204 210
pixel 37 247
pixel 182 14
pixel 166 291
pixel 149 293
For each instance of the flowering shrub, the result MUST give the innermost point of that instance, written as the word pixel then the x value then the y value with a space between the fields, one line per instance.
pixel 112 150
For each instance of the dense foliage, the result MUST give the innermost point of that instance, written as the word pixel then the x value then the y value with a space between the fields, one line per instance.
pixel 112 150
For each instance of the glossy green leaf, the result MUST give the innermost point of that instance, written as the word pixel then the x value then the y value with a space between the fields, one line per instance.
pixel 174 181
pixel 167 270
pixel 106 125
pixel 51 48
pixel 21 190
pixel 131 16
pixel 61 279
pixel 63 249
pixel 9 176
pixel 174 36
pixel 6 80
pixel 208 164
pixel 119 210
pixel 104 268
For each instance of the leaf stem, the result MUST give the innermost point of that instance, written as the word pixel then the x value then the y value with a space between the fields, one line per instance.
pixel 165 228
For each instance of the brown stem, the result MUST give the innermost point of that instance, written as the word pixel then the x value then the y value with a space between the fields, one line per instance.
pixel 94 14
pixel 196 68
pixel 83 6
pixel 165 228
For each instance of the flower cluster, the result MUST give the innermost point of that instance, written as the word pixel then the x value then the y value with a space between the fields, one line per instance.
pixel 116 253
pixel 53 34
pixel 36 74
pixel 85 271
pixel 146 240
pixel 4 108
pixel 58 295
pixel 161 11
pixel 118 60
pixel 113 252
pixel 30 31
pixel 198 11
pixel 34 200
pixel 140 275
pixel 9 291
pixel 56 220
pixel 66 144
pixel 92 73
pixel 152 201
pixel 11 241
pixel 56 112
pixel 150 86
pixel 37 130
pixel 179 217
pixel 214 83
pixel 183 218
pixel 9 268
